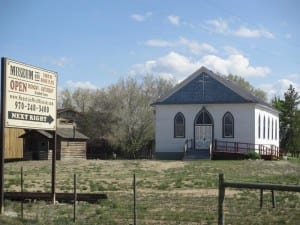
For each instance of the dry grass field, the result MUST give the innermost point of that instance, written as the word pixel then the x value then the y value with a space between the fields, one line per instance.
pixel 168 192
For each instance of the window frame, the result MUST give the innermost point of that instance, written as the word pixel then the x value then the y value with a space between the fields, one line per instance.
pixel 231 124
pixel 264 128
pixel 272 134
pixel 268 128
pixel 259 127
pixel 276 129
pixel 175 133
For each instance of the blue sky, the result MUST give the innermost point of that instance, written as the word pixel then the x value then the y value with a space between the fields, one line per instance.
pixel 95 43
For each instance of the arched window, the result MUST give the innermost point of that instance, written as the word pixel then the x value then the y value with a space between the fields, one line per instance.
pixel 228 125
pixel 258 126
pixel 204 118
pixel 179 126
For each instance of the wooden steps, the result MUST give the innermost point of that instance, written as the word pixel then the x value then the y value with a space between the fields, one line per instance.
pixel 196 155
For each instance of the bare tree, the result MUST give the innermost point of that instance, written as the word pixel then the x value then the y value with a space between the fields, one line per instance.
pixel 65 99
pixel 82 99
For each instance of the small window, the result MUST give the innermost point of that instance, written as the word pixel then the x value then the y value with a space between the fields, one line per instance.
pixel 264 128
pixel 228 125
pixel 179 126
pixel 276 130
pixel 272 129
pixel 268 128
pixel 258 126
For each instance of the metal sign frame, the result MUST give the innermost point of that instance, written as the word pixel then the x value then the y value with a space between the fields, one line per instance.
pixel 30 96
pixel 33 92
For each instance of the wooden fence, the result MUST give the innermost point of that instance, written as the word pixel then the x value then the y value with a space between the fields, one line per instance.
pixel 259 186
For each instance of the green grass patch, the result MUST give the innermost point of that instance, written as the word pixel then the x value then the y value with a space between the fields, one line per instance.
pixel 168 192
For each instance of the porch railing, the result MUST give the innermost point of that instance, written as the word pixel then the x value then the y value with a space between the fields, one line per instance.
pixel 245 148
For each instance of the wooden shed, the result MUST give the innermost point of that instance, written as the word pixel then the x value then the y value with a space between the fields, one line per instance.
pixel 38 144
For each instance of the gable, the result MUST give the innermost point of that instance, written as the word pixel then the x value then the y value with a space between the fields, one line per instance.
pixel 205 87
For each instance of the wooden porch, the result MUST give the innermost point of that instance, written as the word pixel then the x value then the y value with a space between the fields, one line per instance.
pixel 230 150
pixel 239 150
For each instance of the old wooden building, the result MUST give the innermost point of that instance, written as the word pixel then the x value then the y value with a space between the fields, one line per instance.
pixel 38 144
pixel 71 144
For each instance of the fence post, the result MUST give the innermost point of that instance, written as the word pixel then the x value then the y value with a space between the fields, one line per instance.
pixel 221 199
pixel 75 198
pixel 22 190
pixel 273 199
pixel 261 197
pixel 134 200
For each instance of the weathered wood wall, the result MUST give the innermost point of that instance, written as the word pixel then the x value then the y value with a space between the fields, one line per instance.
pixel 13 144
pixel 73 149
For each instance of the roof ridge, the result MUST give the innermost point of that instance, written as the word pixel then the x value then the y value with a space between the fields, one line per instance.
pixel 234 93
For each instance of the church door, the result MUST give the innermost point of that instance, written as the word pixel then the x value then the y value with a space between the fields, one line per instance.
pixel 203 130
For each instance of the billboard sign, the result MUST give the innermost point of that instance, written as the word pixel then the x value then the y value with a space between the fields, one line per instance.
pixel 30 96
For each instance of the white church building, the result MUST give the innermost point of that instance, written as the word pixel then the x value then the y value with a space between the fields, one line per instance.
pixel 207 113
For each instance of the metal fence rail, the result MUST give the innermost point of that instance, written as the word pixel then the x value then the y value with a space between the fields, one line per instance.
pixel 260 186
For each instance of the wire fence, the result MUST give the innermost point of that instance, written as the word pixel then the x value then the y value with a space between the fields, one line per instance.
pixel 244 208
pixel 170 206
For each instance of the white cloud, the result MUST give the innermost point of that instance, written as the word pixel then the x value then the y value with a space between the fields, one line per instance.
pixel 172 65
pixel 278 88
pixel 218 26
pixel 231 50
pixel 159 43
pixel 221 26
pixel 174 20
pixel 175 65
pixel 236 64
pixel 193 46
pixel 143 69
pixel 62 61
pixel 253 33
pixel 196 47
pixel 81 84
pixel 141 17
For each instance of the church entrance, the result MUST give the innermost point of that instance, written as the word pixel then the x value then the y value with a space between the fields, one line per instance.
pixel 203 130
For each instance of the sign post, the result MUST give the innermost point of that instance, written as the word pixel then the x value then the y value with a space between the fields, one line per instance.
pixel 2 139
pixel 28 101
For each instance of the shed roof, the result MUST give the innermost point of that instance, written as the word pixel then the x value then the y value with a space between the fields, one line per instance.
pixel 67 133
pixel 66 110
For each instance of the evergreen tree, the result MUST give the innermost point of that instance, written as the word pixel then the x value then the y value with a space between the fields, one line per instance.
pixel 289 120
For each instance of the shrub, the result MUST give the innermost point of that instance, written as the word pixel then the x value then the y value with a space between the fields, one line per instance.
pixel 253 155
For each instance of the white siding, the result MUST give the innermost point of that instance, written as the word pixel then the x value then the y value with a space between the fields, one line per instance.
pixel 269 115
pixel 244 124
